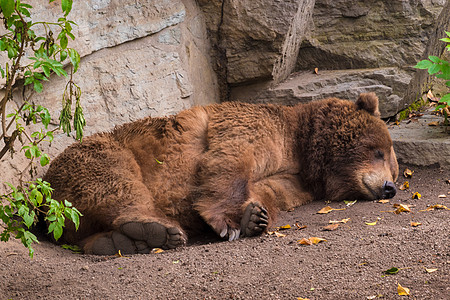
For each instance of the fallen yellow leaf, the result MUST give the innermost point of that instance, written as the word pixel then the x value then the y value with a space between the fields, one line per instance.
pixel 416 195
pixel 325 210
pixel 285 227
pixel 277 234
pixel 300 226
pixel 300 298
pixel 415 224
pixel 340 221
pixel 311 241
pixel 434 123
pixel 304 241
pixel 401 208
pixel 430 270
pixel 383 201
pixel 316 240
pixel 373 223
pixel 157 250
pixel 442 196
pixel 402 291
pixel 328 209
pixel 404 186
pixel 436 206
pixel 316 70
pixel 331 227
pixel 408 173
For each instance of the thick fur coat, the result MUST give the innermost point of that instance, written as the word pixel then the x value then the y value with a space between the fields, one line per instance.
pixel 231 166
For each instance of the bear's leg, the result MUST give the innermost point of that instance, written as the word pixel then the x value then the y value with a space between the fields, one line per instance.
pixel 247 208
pixel 134 237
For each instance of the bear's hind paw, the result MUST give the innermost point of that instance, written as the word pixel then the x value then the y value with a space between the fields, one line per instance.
pixel 154 234
pixel 255 220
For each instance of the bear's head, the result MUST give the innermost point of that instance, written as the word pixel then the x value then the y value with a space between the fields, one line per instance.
pixel 355 157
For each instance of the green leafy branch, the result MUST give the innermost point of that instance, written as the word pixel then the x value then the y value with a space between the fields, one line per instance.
pixel 441 69
pixel 45 56
pixel 19 214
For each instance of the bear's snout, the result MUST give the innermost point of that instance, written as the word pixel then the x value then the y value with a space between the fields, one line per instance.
pixel 389 190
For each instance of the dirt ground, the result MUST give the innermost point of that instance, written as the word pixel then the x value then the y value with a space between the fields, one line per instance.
pixel 349 265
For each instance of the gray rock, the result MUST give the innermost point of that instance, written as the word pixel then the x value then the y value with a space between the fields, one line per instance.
pixel 388 83
pixel 417 143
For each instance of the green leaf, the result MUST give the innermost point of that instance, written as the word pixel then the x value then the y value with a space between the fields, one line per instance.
pixel 63 55
pixel 75 218
pixel 74 59
pixel 46 70
pixel 28 219
pixel 7 7
pixel 445 98
pixel 66 6
pixel 64 41
pixel 45 117
pixel 50 136
pixel 434 59
pixel 12 52
pixel 57 231
pixel 434 69
pixel 392 271
pixel 45 159
pixel 38 87
pixel 35 151
pixel 423 64
pixel 447 40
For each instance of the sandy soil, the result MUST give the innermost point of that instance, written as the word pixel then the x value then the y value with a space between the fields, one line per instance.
pixel 349 265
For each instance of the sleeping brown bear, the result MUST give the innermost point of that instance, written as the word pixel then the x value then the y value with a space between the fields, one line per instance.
pixel 231 166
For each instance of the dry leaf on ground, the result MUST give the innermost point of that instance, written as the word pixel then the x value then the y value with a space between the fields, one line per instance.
pixel 300 226
pixel 373 223
pixel 277 234
pixel 311 241
pixel 404 186
pixel 331 227
pixel 284 227
pixel 383 201
pixel 430 270
pixel 415 224
pixel 436 206
pixel 157 250
pixel 434 123
pixel 416 195
pixel 401 208
pixel 442 196
pixel 402 291
pixel 408 173
pixel 328 209
pixel 339 221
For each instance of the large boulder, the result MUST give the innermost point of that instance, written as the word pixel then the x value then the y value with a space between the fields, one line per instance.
pixel 262 42
pixel 139 59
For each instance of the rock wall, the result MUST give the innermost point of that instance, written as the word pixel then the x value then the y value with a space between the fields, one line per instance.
pixel 157 57
pixel 381 39
pixel 139 58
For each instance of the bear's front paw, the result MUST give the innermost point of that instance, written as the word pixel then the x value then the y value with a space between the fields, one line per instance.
pixel 255 220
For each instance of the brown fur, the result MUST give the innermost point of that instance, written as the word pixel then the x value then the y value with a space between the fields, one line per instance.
pixel 219 158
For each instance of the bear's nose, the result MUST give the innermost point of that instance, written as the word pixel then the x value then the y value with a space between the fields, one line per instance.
pixel 389 190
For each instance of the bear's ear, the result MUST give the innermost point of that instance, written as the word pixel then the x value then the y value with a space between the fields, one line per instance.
pixel 369 103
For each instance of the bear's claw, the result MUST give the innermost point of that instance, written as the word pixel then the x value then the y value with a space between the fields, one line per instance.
pixel 231 233
pixel 255 220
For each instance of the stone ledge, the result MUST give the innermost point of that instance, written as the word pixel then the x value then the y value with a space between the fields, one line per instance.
pixel 417 143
